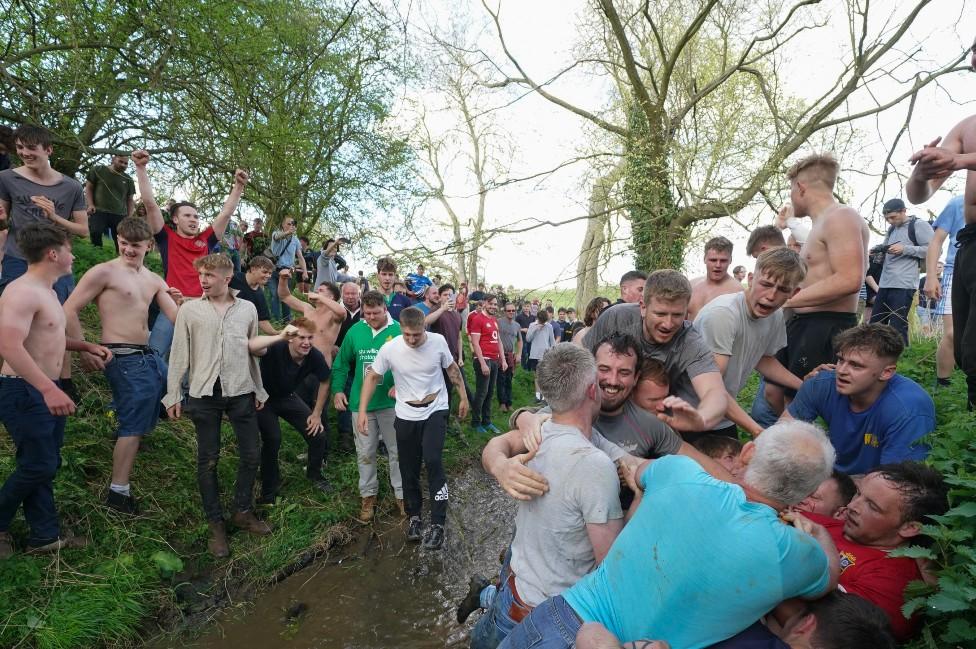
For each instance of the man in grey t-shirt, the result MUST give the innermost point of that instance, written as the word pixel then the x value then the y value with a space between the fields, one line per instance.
pixel 899 276
pixel 658 323
pixel 564 534
pixel 745 330
pixel 509 332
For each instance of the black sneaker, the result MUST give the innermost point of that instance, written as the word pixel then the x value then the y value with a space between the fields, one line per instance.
pixel 121 503
pixel 434 537
pixel 415 529
pixel 321 483
pixel 471 601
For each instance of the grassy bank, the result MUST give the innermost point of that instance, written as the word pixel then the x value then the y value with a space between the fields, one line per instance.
pixel 140 573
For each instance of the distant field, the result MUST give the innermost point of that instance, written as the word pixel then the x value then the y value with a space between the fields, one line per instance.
pixel 565 297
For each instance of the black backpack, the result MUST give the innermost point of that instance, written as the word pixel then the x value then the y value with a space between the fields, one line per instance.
pixel 911 237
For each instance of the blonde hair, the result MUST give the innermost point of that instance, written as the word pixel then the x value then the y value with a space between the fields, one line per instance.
pixel 782 265
pixel 217 261
pixel 822 167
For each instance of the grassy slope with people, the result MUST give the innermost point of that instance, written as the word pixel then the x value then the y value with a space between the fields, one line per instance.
pixel 138 573
pixel 154 568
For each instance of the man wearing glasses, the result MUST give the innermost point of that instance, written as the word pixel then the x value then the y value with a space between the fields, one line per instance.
pixel 285 251
pixel 510 332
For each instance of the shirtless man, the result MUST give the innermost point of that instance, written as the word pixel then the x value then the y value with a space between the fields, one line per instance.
pixel 123 289
pixel 323 309
pixel 717 281
pixel 33 408
pixel 933 164
pixel 836 253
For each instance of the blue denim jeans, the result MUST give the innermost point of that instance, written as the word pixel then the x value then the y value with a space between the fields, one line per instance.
pixel 161 336
pixel 37 436
pixel 552 624
pixel 138 383
pixel 279 311
pixel 496 624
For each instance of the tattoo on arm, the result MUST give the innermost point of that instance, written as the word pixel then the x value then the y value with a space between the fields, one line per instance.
pixel 454 373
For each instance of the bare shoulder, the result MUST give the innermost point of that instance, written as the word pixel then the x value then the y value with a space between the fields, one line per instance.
pixel 24 296
pixel 697 281
pixel 844 217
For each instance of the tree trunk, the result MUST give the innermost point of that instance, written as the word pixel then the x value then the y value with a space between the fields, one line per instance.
pixel 595 239
pixel 658 241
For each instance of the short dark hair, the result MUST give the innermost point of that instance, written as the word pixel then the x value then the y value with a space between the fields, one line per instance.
pixel 35 239
pixel 845 486
pixel 303 240
pixel 260 261
pixel 7 139
pixel 445 287
pixel 412 317
pixel 768 235
pixel 174 208
pixel 561 309
pixel 32 135
pixel 880 339
pixel 847 621
pixel 622 345
pixel 718 244
pixel 593 309
pixel 386 265
pixel 331 288
pixel 631 275
pixel 373 299
pixel 923 489
pixel 715 446
pixel 542 316
pixel 134 230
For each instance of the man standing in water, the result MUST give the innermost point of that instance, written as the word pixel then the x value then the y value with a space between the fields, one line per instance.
pixel 933 165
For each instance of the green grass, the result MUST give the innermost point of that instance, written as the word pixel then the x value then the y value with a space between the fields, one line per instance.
pixel 139 571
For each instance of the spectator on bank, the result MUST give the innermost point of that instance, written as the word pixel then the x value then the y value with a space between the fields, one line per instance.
pixel 109 192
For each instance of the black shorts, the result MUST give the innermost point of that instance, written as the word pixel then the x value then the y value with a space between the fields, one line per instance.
pixel 810 340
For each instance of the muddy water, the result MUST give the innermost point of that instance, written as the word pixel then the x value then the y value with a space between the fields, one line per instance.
pixel 382 592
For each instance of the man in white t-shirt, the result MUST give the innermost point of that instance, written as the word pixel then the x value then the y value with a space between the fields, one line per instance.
pixel 418 360
pixel 745 330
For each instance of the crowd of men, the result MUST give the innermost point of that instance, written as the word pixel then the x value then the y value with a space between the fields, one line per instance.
pixel 641 518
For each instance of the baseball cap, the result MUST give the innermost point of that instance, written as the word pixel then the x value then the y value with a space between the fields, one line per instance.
pixel 893 205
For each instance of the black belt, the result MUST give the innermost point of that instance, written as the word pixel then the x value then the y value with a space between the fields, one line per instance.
pixel 125 349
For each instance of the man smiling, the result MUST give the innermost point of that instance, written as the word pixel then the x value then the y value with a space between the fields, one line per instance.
pixel 874 415
pixel 658 324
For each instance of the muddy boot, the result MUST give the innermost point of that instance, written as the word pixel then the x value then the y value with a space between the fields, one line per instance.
pixel 471 601
pixel 69 540
pixel 415 529
pixel 6 545
pixel 367 509
pixel 217 545
pixel 248 522
pixel 401 508
pixel 434 537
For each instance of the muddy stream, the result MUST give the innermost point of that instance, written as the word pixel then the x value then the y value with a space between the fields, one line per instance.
pixel 381 591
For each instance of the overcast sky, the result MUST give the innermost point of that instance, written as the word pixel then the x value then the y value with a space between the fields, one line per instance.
pixel 542 34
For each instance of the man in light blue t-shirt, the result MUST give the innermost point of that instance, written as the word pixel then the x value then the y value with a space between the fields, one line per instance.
pixel 874 416
pixel 951 220
pixel 699 544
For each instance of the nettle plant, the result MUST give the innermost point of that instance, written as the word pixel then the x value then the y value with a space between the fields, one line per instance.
pixel 949 604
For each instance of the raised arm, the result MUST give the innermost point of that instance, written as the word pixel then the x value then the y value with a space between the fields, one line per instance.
pixel 230 205
pixel 154 216
pixel 934 163
pixel 285 294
